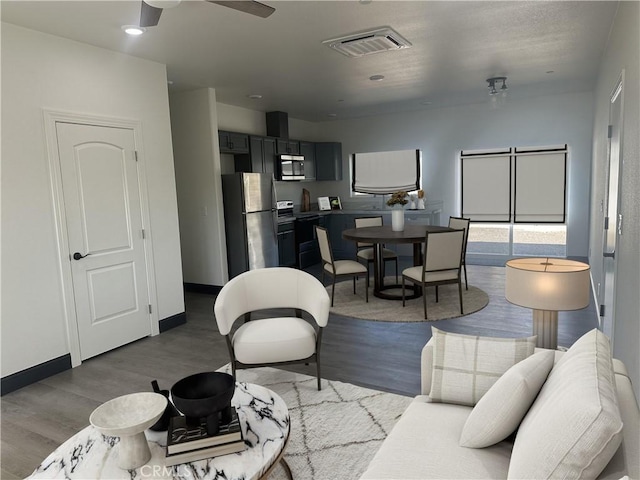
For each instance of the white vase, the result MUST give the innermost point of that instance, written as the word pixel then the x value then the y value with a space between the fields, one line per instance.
pixel 397 219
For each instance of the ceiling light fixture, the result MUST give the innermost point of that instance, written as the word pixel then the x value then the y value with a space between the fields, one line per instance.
pixel 254 96
pixel 133 30
pixel 376 78
pixel 493 81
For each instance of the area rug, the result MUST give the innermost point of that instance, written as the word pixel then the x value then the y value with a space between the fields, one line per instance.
pixel 347 304
pixel 336 431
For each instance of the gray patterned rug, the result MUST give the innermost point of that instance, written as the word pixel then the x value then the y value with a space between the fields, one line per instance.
pixel 349 305
pixel 334 432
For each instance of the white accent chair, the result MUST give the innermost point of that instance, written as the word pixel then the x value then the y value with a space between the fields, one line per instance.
pixel 365 250
pixel 280 339
pixel 339 268
pixel 441 264
pixel 460 222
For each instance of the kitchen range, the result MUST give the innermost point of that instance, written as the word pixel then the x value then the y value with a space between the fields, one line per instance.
pixel 286 234
pixel 297 243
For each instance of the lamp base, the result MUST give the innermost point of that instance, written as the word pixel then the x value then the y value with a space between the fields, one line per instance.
pixel 545 326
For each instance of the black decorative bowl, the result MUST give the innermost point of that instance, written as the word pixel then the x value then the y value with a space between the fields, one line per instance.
pixel 207 395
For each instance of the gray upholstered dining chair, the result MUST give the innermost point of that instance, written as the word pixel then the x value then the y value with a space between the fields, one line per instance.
pixel 441 264
pixel 460 222
pixel 339 268
pixel 278 339
pixel 365 250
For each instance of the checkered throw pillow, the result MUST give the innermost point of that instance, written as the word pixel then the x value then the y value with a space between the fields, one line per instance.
pixel 466 366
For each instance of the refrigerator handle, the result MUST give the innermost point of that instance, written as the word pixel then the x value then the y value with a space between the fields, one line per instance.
pixel 274 209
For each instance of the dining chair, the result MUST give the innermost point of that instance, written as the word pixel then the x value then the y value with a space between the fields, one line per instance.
pixel 279 339
pixel 339 268
pixel 460 222
pixel 365 250
pixel 441 265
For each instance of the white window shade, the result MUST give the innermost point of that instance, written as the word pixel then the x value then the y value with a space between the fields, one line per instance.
pixel 539 187
pixel 386 172
pixel 486 188
pixel 519 185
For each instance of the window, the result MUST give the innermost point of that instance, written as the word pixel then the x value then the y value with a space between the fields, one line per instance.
pixel 515 198
pixel 519 185
pixel 385 172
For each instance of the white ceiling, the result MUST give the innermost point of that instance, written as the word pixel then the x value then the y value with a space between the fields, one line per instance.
pixel 457 45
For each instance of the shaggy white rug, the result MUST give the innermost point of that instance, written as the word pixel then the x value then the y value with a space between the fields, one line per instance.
pixel 334 432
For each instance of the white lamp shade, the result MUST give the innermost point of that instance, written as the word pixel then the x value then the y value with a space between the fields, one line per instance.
pixel 163 3
pixel 547 283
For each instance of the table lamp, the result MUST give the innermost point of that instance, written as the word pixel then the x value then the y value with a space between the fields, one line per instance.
pixel 547 285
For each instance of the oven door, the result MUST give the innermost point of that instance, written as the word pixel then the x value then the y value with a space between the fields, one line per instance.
pixel 291 167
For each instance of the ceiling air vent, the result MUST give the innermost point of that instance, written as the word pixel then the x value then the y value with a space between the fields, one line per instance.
pixel 365 43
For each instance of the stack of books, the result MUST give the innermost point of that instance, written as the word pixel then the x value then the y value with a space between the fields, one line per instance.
pixel 189 443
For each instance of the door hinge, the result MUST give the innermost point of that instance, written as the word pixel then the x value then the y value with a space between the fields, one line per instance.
pixel 609 131
pixel 135 154
pixel 150 309
pixel 606 223
pixel 144 234
pixel 602 310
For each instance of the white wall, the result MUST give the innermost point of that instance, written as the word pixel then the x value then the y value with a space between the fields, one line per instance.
pixel 197 166
pixel 623 52
pixel 39 72
pixel 442 133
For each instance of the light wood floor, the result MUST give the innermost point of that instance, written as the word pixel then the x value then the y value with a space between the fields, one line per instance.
pixel 385 356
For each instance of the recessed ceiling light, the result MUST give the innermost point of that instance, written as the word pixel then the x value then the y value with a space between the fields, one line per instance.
pixel 376 78
pixel 332 114
pixel 169 82
pixel 550 71
pixel 254 96
pixel 133 30
pixel 425 102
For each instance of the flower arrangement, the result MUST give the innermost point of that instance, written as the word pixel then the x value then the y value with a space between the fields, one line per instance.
pixel 398 198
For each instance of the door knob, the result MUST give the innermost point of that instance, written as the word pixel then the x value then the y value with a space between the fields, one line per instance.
pixel 78 255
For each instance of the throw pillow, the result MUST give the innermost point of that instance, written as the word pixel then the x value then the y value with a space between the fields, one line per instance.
pixel 466 366
pixel 500 411
pixel 574 427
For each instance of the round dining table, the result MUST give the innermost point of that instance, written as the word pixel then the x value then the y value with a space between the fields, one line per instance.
pixel 378 236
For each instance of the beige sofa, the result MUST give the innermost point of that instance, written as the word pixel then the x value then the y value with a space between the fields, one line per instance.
pixel 425 441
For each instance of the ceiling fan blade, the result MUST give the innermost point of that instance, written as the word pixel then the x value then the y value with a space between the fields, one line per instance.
pixel 149 16
pixel 248 6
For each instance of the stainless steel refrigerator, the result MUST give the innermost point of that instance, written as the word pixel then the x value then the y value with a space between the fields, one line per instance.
pixel 251 222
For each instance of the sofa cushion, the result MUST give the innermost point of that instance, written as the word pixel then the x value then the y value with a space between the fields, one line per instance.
pixel 424 444
pixel 500 411
pixel 574 427
pixel 466 366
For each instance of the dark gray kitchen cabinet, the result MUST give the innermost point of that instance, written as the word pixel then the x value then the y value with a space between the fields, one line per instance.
pixel 337 223
pixel 263 154
pixel 287 245
pixel 328 161
pixel 308 151
pixel 231 142
pixel 291 147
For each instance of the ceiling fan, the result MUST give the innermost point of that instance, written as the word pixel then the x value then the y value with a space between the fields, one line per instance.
pixel 152 9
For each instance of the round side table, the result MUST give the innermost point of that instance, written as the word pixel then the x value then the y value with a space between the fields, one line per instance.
pixel 264 418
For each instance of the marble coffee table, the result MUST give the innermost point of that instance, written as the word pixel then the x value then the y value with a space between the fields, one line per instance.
pixel 265 425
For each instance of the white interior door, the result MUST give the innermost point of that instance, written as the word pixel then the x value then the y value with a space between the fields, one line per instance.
pixel 613 220
pixel 104 230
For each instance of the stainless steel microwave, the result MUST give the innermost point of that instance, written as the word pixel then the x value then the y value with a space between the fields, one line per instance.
pixel 290 167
